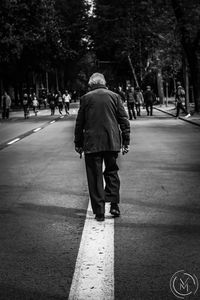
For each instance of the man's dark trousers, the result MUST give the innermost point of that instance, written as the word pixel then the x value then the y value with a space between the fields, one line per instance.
pixel 94 169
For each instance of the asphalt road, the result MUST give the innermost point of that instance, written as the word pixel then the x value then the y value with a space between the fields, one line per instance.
pixel 42 212
pixel 159 231
pixel 44 199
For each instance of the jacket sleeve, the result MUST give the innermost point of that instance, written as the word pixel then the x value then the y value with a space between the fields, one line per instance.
pixel 79 126
pixel 124 123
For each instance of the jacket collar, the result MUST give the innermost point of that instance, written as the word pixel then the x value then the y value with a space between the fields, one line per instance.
pixel 98 86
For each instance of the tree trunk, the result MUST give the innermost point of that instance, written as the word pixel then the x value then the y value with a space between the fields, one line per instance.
pixel 193 58
pixel 186 81
pixel 62 78
pixel 1 90
pixel 160 85
pixel 57 85
pixel 191 48
pixel 194 64
pixel 133 71
pixel 47 81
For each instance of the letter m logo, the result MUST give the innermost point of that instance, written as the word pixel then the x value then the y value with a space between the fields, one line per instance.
pixel 184 285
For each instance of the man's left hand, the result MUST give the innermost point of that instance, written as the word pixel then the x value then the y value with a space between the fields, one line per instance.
pixel 79 150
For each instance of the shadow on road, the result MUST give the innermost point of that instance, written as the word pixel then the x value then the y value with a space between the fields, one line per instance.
pixel 54 210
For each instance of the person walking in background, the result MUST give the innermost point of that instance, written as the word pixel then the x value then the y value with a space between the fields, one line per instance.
pixel 66 101
pixel 149 99
pixel 6 104
pixel 52 103
pixel 179 99
pixel 121 93
pixel 35 104
pixel 60 102
pixel 101 124
pixel 74 96
pixel 131 102
pixel 139 100
pixel 44 98
pixel 25 103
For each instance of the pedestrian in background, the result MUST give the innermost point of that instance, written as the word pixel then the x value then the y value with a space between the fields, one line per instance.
pixel 101 124
pixel 66 101
pixel 52 103
pixel 35 104
pixel 149 99
pixel 25 103
pixel 5 104
pixel 74 96
pixel 44 98
pixel 179 100
pixel 121 93
pixel 139 100
pixel 131 102
pixel 60 102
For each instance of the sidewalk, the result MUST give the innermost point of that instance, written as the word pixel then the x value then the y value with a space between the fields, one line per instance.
pixel 171 110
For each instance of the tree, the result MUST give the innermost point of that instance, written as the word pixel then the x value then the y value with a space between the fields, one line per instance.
pixel 39 36
pixel 130 33
pixel 142 30
pixel 188 20
pixel 73 19
pixel 26 28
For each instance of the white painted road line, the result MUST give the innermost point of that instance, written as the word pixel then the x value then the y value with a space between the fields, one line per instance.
pixel 94 271
pixel 13 141
pixel 37 129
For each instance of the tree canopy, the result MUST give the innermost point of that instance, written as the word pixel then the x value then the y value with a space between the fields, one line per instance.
pixel 154 34
pixel 127 39
pixel 40 35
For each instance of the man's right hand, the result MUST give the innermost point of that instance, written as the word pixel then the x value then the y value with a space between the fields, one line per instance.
pixel 125 149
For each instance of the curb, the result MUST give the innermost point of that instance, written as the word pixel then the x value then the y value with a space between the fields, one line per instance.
pixel 183 119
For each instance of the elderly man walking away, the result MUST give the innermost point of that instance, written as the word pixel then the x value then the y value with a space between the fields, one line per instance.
pixel 102 130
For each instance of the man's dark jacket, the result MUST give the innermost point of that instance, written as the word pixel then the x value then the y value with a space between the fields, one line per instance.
pixel 102 123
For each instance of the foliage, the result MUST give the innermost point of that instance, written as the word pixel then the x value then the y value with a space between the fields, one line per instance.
pixel 138 29
pixel 153 33
pixel 40 35
pixel 188 22
pixel 48 35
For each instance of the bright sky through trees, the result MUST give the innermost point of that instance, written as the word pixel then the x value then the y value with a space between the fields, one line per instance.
pixel 90 2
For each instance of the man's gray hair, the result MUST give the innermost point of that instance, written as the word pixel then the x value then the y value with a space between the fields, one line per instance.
pixel 97 78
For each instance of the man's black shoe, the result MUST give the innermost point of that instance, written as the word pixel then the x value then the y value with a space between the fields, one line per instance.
pixel 114 210
pixel 100 217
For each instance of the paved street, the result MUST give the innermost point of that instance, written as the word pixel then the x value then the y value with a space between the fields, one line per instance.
pixel 44 204
pixel 160 224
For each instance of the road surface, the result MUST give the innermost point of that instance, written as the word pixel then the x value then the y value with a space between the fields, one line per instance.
pixel 45 219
